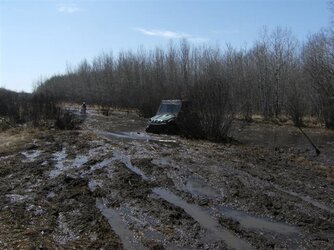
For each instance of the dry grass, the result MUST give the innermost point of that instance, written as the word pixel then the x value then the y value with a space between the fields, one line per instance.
pixel 13 138
pixel 328 170
pixel 309 121
pixel 98 108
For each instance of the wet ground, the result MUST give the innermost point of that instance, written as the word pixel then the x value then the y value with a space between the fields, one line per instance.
pixel 110 185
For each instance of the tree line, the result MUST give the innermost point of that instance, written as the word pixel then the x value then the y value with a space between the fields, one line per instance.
pixel 22 107
pixel 276 76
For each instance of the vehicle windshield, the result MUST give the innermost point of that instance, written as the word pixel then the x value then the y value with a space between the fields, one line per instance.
pixel 169 108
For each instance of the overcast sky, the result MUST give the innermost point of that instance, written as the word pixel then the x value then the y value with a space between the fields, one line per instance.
pixel 39 38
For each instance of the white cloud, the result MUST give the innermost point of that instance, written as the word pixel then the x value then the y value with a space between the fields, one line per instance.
pixel 170 34
pixel 68 8
pixel 163 33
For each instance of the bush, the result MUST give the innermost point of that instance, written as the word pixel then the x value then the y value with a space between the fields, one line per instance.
pixel 295 108
pixel 68 120
pixel 211 102
pixel 328 113
pixel 189 124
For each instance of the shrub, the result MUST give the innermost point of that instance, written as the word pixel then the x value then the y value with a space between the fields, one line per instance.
pixel 211 102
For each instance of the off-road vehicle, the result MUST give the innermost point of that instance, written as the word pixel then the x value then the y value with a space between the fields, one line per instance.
pixel 167 117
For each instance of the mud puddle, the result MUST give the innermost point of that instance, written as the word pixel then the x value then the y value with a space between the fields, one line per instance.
pixel 214 230
pixel 135 136
pixel 120 228
pixel 101 164
pixel 163 161
pixel 281 136
pixel 127 135
pixel 144 223
pixel 117 155
pixel 6 157
pixel 307 199
pixel 16 198
pixel 92 185
pixel 59 157
pixel 61 166
pixel 257 223
pixel 31 155
pixel 79 160
pixel 198 187
pixel 65 233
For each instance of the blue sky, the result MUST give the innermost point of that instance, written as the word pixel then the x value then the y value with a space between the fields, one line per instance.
pixel 39 38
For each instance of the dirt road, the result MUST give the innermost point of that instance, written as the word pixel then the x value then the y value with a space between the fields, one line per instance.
pixel 109 185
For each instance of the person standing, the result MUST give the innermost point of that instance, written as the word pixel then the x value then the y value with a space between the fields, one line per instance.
pixel 83 108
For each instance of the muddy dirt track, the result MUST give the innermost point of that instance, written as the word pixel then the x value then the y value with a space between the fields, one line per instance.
pixel 109 185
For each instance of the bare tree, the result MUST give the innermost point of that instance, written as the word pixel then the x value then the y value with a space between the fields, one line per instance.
pixel 319 64
pixel 271 78
pixel 296 100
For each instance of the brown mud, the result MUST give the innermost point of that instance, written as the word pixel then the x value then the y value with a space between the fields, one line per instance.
pixel 110 185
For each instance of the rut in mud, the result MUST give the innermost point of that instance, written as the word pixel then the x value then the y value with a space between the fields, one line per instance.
pixel 112 186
